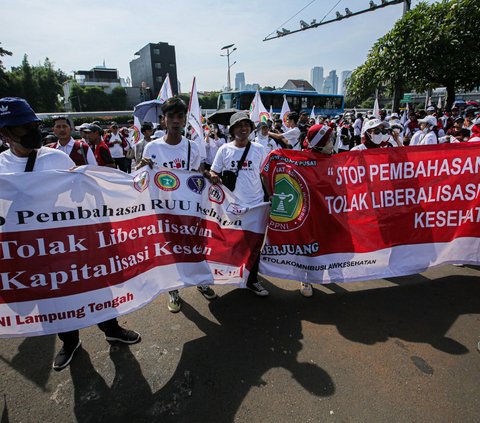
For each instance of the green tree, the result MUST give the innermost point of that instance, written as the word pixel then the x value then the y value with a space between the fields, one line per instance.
pixel 96 99
pixel 118 99
pixel 48 85
pixel 3 52
pixel 433 45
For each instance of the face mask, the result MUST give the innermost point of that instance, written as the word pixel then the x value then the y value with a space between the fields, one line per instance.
pixel 425 130
pixel 385 138
pixel 32 139
pixel 377 138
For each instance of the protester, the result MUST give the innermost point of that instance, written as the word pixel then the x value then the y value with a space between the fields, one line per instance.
pixel 319 139
pixel 118 145
pixel 375 135
pixel 214 139
pixel 291 137
pixel 78 150
pixel 457 133
pixel 147 132
pixel 101 152
pixel 427 134
pixel 357 129
pixel 84 131
pixel 175 151
pixel 263 139
pixel 475 137
pixel 19 125
pixel 248 188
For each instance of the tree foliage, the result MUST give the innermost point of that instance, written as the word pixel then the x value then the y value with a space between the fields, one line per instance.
pixel 433 45
pixel 40 85
pixel 94 99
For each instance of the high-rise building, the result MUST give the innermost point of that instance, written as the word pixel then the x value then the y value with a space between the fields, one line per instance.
pixel 316 78
pixel 330 84
pixel 240 81
pixel 343 79
pixel 150 69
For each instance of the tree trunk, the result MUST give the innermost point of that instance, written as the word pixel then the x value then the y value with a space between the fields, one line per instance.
pixel 397 95
pixel 450 96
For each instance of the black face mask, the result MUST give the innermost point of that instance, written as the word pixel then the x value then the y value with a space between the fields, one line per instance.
pixel 32 139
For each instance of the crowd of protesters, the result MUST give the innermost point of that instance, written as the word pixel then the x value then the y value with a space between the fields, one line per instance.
pixel 237 149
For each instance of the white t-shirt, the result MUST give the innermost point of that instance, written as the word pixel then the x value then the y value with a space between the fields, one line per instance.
pixel 292 135
pixel 69 147
pixel 357 127
pixel 173 156
pixel 117 150
pixel 248 188
pixel 267 143
pixel 211 147
pixel 47 159
pixel 419 138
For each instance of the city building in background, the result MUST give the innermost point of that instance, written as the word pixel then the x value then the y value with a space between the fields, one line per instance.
pixel 150 69
pixel 253 86
pixel 298 84
pixel 316 78
pixel 99 76
pixel 330 84
pixel 240 81
pixel 343 79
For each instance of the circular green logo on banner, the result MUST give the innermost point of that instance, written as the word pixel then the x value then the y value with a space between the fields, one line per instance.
pixel 167 181
pixel 290 201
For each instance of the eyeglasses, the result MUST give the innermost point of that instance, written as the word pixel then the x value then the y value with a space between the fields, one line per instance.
pixel 377 131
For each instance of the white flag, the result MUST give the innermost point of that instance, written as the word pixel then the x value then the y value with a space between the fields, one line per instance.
pixel 376 109
pixel 166 91
pixel 439 104
pixel 271 112
pixel 285 111
pixel 258 112
pixel 136 134
pixel 312 113
pixel 194 114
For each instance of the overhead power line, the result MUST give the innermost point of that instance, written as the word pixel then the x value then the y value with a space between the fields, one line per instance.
pixel 348 14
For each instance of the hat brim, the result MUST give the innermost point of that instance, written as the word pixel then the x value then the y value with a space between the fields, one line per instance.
pixel 19 120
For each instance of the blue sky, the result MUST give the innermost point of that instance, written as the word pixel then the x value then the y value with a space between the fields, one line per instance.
pixel 78 35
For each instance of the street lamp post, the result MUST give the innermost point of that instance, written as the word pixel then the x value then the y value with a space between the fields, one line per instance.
pixel 228 62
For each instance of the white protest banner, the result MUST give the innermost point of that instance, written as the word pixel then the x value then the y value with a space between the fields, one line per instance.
pixel 87 245
pixel 165 91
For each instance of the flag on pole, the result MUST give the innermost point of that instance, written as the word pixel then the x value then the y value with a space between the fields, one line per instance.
pixel 136 135
pixel 165 91
pixel 285 111
pixel 194 114
pixel 258 112
pixel 312 113
pixel 271 112
pixel 376 107
pixel 439 104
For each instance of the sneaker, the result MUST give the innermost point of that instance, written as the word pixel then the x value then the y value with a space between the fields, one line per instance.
pixel 258 289
pixel 207 292
pixel 64 356
pixel 124 335
pixel 174 302
pixel 306 289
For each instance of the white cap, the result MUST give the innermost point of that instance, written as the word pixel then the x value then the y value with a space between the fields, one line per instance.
pixel 374 123
pixel 429 120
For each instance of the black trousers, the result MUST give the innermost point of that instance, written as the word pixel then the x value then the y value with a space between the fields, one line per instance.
pixel 121 163
pixel 108 327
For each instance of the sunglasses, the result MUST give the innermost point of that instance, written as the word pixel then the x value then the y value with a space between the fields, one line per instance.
pixel 377 131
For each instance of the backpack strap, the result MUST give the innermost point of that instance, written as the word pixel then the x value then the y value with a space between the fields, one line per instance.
pixel 244 156
pixel 32 157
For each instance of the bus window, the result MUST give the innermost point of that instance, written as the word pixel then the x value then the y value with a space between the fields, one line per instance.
pixel 304 103
pixel 225 101
pixel 245 101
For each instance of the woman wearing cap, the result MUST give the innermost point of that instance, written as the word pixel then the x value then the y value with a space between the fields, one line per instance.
pixel 319 139
pixel 248 188
pixel 457 133
pixel 427 134
pixel 375 135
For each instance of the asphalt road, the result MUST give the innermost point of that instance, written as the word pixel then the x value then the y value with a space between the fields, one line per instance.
pixel 399 350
